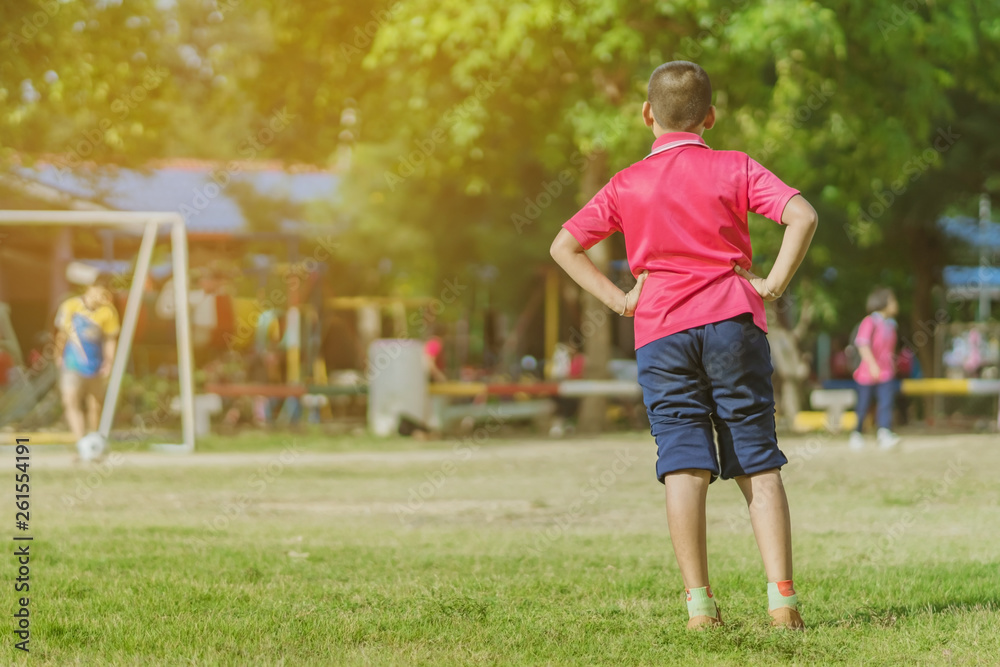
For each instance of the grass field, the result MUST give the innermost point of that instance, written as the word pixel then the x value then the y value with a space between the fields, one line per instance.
pixel 506 553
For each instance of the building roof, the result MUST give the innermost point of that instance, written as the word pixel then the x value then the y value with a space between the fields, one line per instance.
pixel 967 229
pixel 187 186
pixel 965 276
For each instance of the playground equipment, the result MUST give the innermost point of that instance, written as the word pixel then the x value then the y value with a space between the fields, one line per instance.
pixel 534 400
pixel 835 401
pixel 25 391
pixel 25 387
pixel 566 388
pixel 149 223
pixel 8 339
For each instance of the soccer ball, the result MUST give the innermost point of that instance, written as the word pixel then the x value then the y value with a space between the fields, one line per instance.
pixel 91 446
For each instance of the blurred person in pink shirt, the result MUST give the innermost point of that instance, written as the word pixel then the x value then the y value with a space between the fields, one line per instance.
pixel 876 374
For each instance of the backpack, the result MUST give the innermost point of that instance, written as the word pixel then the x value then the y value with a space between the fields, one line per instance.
pixel 853 356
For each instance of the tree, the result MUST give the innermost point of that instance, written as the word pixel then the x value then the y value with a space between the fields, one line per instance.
pixel 478 127
pixel 120 83
pixel 852 103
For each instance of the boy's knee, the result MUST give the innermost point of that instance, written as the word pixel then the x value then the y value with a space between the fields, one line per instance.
pixel 687 474
pixel 71 400
pixel 762 477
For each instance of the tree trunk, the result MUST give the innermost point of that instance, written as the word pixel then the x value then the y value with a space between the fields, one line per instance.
pixel 925 256
pixel 926 259
pixel 595 323
pixel 62 255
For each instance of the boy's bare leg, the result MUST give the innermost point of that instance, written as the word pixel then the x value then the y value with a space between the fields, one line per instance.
pixel 93 412
pixel 772 525
pixel 686 491
pixel 73 412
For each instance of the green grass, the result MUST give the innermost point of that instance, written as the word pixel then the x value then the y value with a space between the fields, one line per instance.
pixel 312 562
pixel 311 438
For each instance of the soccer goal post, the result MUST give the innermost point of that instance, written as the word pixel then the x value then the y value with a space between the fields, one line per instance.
pixel 149 223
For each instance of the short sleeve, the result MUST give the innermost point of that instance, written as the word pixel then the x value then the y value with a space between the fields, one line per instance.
pixel 598 220
pixel 766 193
pixel 64 316
pixel 865 330
pixel 109 321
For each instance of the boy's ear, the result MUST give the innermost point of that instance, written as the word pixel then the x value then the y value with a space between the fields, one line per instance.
pixel 647 114
pixel 710 118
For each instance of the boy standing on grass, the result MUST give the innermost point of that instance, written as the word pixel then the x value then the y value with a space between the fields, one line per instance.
pixel 699 322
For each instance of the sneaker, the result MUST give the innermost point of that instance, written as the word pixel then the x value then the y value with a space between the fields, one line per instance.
pixel 787 618
pixel 857 441
pixel 703 622
pixel 887 439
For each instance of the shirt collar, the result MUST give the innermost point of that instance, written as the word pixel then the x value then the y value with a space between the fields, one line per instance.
pixel 664 141
pixel 879 317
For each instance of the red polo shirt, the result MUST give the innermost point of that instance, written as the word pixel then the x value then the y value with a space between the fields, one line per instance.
pixel 683 211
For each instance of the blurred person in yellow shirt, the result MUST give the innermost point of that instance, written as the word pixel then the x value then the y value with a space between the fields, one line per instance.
pixel 87 329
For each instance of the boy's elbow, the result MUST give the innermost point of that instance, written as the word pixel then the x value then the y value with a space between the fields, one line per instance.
pixel 803 216
pixel 810 221
pixel 812 218
pixel 563 246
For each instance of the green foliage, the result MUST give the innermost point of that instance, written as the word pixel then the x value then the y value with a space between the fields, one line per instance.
pixel 844 102
pixel 462 114
pixel 124 82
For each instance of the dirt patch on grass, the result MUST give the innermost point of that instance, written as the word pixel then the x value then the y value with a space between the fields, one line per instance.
pixel 516 450
pixel 501 450
pixel 429 507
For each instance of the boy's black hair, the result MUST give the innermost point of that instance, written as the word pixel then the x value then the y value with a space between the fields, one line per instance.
pixel 879 299
pixel 103 280
pixel 680 94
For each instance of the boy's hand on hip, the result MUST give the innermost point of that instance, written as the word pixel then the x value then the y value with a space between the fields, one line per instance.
pixel 631 301
pixel 759 284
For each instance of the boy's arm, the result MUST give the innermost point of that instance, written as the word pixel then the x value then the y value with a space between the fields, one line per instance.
pixel 868 357
pixel 800 220
pixel 60 345
pixel 110 346
pixel 863 341
pixel 111 326
pixel 570 255
pixel 61 335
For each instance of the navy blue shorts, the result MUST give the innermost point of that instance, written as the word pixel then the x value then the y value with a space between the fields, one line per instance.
pixel 714 375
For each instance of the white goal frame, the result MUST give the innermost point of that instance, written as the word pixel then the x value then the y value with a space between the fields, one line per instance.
pixel 150 223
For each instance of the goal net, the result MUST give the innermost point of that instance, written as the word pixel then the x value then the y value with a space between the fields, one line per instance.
pixel 38 386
